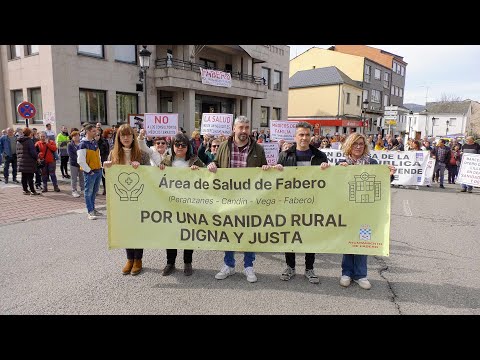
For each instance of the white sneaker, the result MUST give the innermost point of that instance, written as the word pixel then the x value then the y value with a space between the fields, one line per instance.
pixel 75 194
pixel 92 216
pixel 225 272
pixel 250 274
pixel 345 280
pixel 363 283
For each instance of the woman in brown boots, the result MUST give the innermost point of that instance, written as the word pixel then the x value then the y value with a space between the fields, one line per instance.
pixel 126 151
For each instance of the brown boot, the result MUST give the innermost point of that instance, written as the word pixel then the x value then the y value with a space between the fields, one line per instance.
pixel 56 188
pixel 137 267
pixel 128 267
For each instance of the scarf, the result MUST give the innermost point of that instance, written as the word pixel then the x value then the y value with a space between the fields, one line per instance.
pixel 363 160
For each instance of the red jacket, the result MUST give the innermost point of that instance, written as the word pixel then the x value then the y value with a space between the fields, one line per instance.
pixel 42 148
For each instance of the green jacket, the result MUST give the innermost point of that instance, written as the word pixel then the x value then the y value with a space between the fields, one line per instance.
pixel 255 158
pixel 194 160
pixel 62 143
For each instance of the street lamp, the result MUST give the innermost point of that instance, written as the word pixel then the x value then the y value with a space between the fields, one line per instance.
pixel 446 133
pixel 433 122
pixel 410 125
pixel 365 107
pixel 144 57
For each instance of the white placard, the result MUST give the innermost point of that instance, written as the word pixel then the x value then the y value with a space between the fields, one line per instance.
pixel 469 172
pixel 216 77
pixel 216 124
pixel 161 124
pixel 271 152
pixel 282 130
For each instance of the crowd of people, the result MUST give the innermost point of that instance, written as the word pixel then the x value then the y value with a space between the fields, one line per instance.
pixel 91 149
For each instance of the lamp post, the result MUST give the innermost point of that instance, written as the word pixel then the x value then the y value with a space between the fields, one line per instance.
pixel 433 122
pixel 365 107
pixel 410 125
pixel 144 57
pixel 446 132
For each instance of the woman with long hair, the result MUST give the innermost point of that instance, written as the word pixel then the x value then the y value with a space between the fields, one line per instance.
pixel 126 151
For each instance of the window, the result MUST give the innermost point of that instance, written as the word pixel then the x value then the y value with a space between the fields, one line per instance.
pixel 385 100
pixel 91 50
pixel 348 98
pixel 397 91
pixel 15 51
pixel 126 104
pixel 277 80
pixel 17 98
pixel 376 96
pixel 266 76
pixel 93 106
pixel 452 122
pixel 126 53
pixel 32 49
pixel 365 94
pixel 386 80
pixel 400 92
pixel 35 97
pixel 367 73
pixel 378 74
pixel 277 114
pixel 264 115
pixel 208 64
pixel 402 68
pixel 358 100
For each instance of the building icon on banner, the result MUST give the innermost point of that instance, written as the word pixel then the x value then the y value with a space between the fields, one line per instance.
pixel 364 189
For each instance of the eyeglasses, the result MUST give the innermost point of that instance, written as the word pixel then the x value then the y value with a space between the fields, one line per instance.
pixel 180 145
pixel 160 143
pixel 359 145
pixel 215 146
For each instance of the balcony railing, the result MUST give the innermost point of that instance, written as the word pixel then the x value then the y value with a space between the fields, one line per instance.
pixel 191 66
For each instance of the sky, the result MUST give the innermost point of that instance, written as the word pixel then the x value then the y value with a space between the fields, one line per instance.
pixel 432 70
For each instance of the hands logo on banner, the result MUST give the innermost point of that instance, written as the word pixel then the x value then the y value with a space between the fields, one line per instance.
pixel 128 181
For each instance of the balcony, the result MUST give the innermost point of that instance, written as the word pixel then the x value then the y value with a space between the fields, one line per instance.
pixel 174 73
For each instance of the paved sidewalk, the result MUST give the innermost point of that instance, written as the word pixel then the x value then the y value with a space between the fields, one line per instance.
pixel 16 207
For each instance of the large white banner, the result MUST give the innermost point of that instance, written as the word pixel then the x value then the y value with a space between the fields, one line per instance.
pixel 216 77
pixel 271 152
pixel 216 124
pixel 469 173
pixel 282 130
pixel 161 124
pixel 411 165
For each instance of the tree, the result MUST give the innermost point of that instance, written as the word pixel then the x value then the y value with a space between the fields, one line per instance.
pixel 449 98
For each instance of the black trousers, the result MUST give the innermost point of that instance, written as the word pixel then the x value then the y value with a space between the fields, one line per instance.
pixel 172 256
pixel 134 254
pixel 64 165
pixel 309 260
pixel 27 179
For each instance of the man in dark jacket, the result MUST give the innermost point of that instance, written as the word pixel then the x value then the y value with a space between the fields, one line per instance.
pixel 302 153
pixel 27 159
pixel 239 151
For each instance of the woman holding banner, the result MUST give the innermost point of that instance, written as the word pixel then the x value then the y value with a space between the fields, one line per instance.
pixel 356 152
pixel 182 156
pixel 126 151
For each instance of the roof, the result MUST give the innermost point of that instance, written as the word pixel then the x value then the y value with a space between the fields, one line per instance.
pixel 320 77
pixel 450 107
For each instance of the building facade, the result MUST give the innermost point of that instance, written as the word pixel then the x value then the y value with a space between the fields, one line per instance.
pixel 73 84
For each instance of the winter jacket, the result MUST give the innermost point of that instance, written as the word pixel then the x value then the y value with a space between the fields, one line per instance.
pixel 26 155
pixel 255 158
pixel 72 153
pixel 62 142
pixel 289 157
pixel 49 148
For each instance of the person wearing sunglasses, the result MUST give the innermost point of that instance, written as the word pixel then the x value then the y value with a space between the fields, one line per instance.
pixel 181 156
pixel 207 152
pixel 157 151
pixel 239 151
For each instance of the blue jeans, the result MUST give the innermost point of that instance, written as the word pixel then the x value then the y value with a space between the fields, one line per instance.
pixel 354 266
pixel 10 160
pixel 248 259
pixel 92 183
pixel 467 187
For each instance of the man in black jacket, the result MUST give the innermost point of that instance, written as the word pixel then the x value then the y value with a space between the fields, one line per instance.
pixel 302 153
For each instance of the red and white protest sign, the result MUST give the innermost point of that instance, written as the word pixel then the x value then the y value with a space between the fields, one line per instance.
pixel 161 124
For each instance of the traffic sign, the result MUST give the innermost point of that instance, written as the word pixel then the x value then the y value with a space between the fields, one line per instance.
pixel 26 110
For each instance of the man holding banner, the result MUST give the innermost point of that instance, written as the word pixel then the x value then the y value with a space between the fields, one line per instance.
pixel 302 153
pixel 239 151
